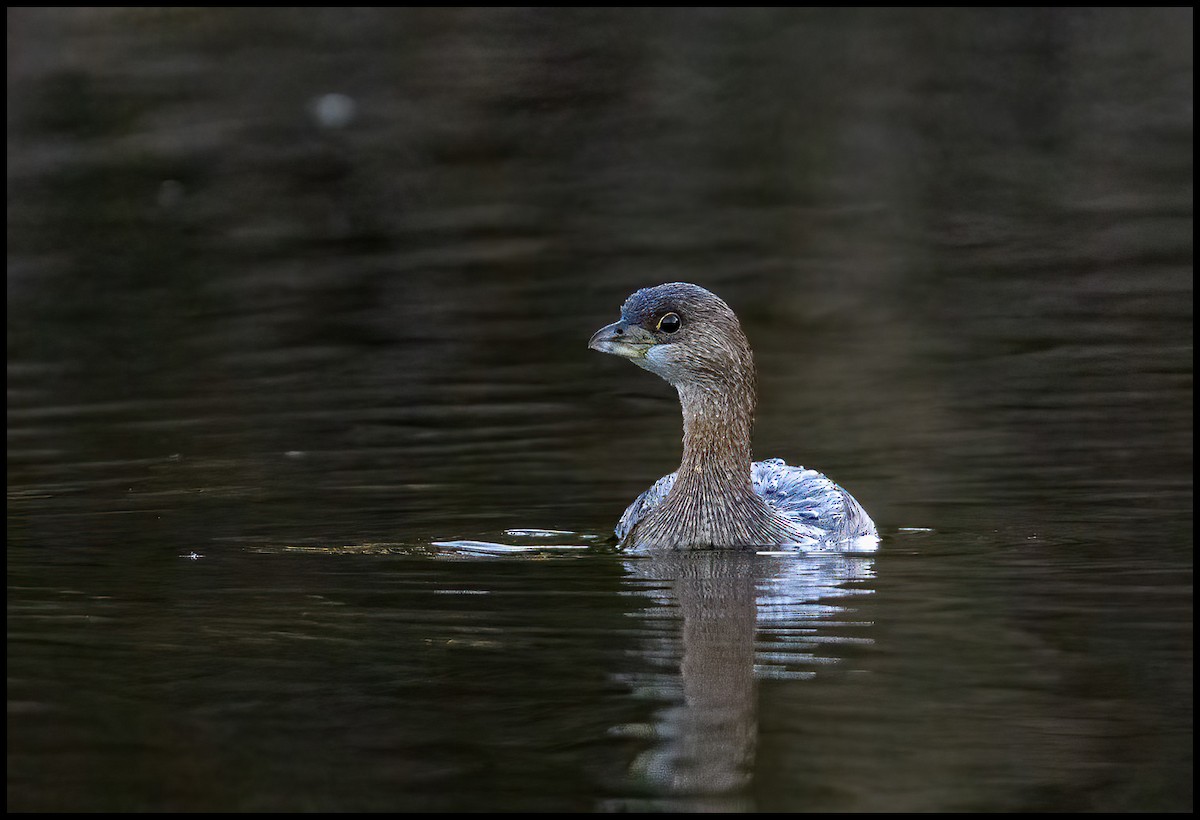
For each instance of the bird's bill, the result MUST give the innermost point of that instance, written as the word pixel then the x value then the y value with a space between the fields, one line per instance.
pixel 622 339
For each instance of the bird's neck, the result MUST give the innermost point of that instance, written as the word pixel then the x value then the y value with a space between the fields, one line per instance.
pixel 717 422
pixel 713 503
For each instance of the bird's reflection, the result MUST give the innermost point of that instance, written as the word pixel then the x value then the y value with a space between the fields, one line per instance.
pixel 717 621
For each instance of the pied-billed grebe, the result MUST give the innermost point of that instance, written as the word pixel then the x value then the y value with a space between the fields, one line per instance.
pixel 718 498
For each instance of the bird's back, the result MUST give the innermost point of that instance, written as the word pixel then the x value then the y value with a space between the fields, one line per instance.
pixel 822 514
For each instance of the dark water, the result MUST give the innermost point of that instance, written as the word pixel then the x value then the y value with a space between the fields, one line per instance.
pixel 311 476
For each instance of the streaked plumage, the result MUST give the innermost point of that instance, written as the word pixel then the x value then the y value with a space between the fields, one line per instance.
pixel 823 515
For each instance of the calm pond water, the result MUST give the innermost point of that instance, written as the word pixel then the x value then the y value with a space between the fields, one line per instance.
pixel 311 477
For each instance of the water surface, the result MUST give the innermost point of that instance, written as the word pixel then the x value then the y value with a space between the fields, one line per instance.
pixel 311 477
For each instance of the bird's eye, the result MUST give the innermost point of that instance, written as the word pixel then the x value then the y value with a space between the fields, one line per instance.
pixel 669 323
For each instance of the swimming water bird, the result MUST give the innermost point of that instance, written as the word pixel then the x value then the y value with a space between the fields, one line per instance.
pixel 719 498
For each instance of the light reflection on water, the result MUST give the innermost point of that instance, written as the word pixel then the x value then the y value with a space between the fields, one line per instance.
pixel 730 620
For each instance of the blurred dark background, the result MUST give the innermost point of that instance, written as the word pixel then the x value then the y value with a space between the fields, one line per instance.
pixel 326 277
pixel 961 242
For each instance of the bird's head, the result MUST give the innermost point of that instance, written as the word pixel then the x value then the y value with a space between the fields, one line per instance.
pixel 681 332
